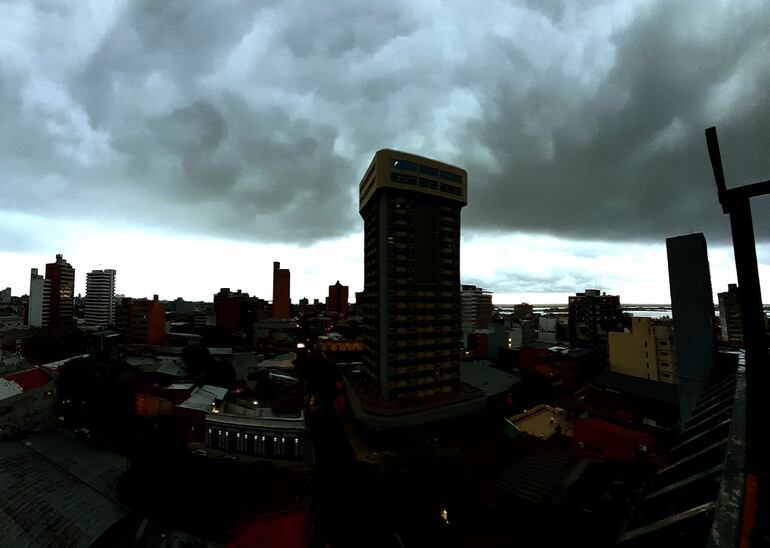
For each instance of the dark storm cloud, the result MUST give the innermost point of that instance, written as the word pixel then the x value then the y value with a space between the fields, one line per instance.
pixel 257 122
pixel 630 160
pixel 515 281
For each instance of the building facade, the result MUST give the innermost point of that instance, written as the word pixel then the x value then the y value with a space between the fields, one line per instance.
pixel 692 307
pixel 411 319
pixel 592 315
pixel 281 291
pixel 142 321
pixel 730 317
pixel 337 301
pixel 100 298
pixel 62 307
pixel 476 308
pixel 27 403
pixel 237 312
pixel 39 314
pixel 646 351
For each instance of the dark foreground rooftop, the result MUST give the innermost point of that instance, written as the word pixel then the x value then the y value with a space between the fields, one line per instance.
pixel 57 490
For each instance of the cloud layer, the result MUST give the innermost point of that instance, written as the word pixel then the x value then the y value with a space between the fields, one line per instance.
pixel 255 121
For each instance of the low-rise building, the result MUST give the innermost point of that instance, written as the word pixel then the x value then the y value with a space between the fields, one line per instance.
pixel 646 350
pixel 27 403
pixel 10 321
pixel 542 421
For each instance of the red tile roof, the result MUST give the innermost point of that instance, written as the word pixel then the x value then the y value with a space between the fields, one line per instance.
pixel 30 379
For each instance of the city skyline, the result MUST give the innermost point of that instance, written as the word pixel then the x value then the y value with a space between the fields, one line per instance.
pixel 240 265
pixel 239 141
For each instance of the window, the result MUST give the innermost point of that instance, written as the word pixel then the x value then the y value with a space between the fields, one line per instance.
pixel 427 183
pixel 666 375
pixel 403 164
pixel 449 189
pixel 403 179
pixel 449 176
pixel 664 353
pixel 427 170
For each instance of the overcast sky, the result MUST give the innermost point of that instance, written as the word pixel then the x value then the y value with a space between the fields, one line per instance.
pixel 189 144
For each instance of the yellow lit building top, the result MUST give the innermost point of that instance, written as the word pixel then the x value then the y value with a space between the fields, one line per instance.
pixel 401 170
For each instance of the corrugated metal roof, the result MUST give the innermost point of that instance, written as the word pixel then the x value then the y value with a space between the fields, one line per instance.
pixel 537 477
pixel 56 491
pixel 202 397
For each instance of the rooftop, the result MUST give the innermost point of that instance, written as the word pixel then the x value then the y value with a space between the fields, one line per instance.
pixel 483 376
pixel 661 391
pixel 16 383
pixel 57 491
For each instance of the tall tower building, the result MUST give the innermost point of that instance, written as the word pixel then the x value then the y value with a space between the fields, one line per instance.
pixel 730 317
pixel 100 298
pixel 62 277
pixel 338 299
pixel 592 316
pixel 692 306
pixel 281 291
pixel 411 211
pixel 39 314
pixel 476 308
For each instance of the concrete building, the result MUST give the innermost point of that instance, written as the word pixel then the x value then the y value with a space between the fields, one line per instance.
pixel 5 296
pixel 27 403
pixel 730 318
pixel 281 291
pixel 692 307
pixel 237 312
pixel 523 311
pixel 100 298
pixel 142 321
pixel 247 428
pixel 646 351
pixel 476 308
pixel 521 334
pixel 411 207
pixel 39 300
pixel 62 308
pixel 10 321
pixel 592 315
pixel 337 301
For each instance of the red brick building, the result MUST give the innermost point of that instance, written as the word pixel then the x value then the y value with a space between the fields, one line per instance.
pixel 143 321
pixel 338 299
pixel 281 291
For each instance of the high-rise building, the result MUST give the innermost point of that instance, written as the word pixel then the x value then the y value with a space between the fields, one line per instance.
pixel 730 318
pixel 646 351
pixel 476 308
pixel 39 314
pixel 142 321
pixel 281 291
pixel 338 299
pixel 100 298
pixel 62 277
pixel 592 315
pixel 5 296
pixel 411 328
pixel 692 306
pixel 237 312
